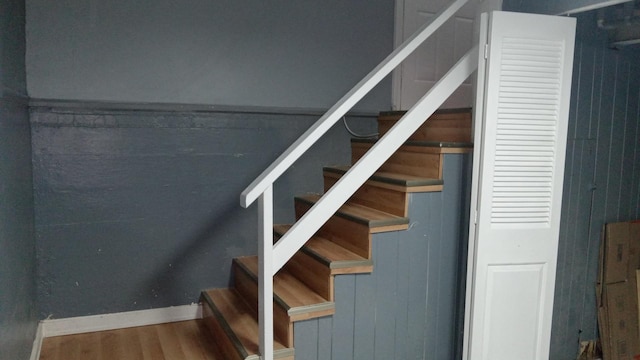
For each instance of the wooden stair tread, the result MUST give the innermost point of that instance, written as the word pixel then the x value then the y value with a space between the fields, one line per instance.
pixel 443 145
pixel 396 114
pixel 446 125
pixel 239 323
pixel 329 253
pixel 289 292
pixel 389 177
pixel 361 214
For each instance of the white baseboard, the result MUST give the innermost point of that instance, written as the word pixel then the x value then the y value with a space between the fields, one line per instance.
pixel 37 343
pixel 85 324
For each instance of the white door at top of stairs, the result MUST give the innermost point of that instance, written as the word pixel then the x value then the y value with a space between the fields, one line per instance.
pixel 420 71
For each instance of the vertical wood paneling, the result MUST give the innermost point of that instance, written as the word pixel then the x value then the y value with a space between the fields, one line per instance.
pixel 636 157
pixel 583 245
pixel 385 270
pixel 636 154
pixel 417 292
pixel 365 320
pixel 626 166
pixel 432 276
pixel 324 338
pixel 629 193
pixel 452 203
pixel 605 127
pixel 402 301
pixel 343 319
pixel 601 180
pixel 561 282
pixel 618 117
pixel 589 321
pixel 573 190
pixel 306 337
pixel 407 308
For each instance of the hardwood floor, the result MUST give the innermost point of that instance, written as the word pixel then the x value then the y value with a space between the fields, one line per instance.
pixel 185 340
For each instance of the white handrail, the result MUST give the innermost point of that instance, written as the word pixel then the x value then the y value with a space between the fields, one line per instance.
pixel 300 146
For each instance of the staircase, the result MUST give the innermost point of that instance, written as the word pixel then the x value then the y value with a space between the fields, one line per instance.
pixel 304 288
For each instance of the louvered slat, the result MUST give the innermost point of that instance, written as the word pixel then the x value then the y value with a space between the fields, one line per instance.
pixel 528 110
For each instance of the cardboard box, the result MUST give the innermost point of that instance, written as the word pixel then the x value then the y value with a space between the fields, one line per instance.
pixel 600 279
pixel 634 248
pixel 621 310
pixel 603 326
pixel 616 253
pixel 618 291
pixel 638 296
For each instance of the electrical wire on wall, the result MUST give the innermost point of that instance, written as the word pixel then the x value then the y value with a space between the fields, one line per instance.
pixel 356 135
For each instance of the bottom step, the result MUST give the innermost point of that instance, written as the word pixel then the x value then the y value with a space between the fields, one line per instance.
pixel 234 325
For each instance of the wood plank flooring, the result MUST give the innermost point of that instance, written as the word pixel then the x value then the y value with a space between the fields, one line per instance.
pixel 184 340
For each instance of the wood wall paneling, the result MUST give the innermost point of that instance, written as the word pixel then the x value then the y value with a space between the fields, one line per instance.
pixel 601 179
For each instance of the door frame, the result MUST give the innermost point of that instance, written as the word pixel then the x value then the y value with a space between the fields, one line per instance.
pixel 398 36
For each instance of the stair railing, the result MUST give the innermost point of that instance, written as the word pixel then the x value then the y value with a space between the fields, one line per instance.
pixel 273 257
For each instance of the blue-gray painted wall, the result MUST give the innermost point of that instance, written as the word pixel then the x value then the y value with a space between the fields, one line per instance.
pixel 124 195
pixel 18 315
pixel 409 307
pixel 302 54
pixel 139 209
pixel 101 176
pixel 554 7
pixel 602 176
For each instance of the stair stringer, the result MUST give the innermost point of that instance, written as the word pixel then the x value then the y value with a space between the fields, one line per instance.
pixel 412 305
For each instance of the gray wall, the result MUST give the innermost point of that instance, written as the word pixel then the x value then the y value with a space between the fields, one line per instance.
pixel 554 7
pixel 137 205
pixel 602 177
pixel 17 248
pixel 287 54
pixel 140 209
pixel 409 307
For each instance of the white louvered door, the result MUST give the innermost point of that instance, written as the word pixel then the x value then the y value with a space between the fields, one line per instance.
pixel 521 130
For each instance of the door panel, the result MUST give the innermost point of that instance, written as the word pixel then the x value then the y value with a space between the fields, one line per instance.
pixel 521 131
pixel 510 310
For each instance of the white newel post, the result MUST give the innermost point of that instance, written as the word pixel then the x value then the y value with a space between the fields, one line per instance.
pixel 265 279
